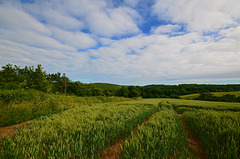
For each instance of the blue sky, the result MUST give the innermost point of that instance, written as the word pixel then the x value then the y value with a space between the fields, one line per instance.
pixel 125 41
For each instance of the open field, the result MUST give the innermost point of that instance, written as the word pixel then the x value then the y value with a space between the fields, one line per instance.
pixel 79 132
pixel 87 131
pixel 161 137
pixel 181 105
pixel 18 106
pixel 217 124
pixel 217 94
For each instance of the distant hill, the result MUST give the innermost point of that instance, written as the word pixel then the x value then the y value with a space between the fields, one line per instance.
pixel 217 94
pixel 107 86
pixel 154 85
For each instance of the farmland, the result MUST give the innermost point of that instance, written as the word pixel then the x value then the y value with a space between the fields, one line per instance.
pixel 86 131
pixel 19 106
pixel 217 94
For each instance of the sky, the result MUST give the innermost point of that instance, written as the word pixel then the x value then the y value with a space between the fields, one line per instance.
pixel 135 42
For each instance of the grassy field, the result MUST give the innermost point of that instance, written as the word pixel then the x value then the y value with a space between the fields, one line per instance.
pixel 217 94
pixel 81 132
pixel 161 137
pixel 181 105
pixel 86 131
pixel 18 106
pixel 107 86
pixel 217 124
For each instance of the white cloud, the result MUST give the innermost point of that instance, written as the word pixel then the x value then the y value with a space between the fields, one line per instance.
pixel 12 18
pixel 24 29
pixel 113 22
pixel 165 29
pixel 94 15
pixel 159 58
pixel 77 40
pixel 199 15
pixel 51 32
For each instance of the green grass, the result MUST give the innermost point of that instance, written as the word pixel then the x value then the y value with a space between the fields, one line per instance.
pixel 19 106
pixel 160 137
pixel 190 96
pixel 217 94
pixel 81 132
pixel 217 124
pixel 218 131
pixel 107 86
pixel 181 105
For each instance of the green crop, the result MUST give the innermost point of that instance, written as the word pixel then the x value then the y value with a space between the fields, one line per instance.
pixel 81 132
pixel 218 131
pixel 161 137
pixel 181 105
pixel 18 106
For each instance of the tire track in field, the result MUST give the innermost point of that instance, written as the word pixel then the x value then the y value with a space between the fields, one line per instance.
pixel 193 141
pixel 9 130
pixel 112 152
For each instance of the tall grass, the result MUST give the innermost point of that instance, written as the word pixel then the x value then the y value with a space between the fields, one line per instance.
pixel 217 124
pixel 161 137
pixel 218 131
pixel 17 106
pixel 182 105
pixel 81 132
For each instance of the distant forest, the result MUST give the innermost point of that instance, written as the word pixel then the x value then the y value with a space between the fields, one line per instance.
pixel 13 77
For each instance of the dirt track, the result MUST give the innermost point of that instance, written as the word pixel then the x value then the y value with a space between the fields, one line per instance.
pixel 112 152
pixel 193 142
pixel 9 130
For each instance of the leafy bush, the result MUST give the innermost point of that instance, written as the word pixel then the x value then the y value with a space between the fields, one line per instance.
pixel 16 96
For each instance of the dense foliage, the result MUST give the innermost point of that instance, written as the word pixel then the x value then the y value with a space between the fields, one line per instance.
pixel 14 77
pixel 174 91
pixel 224 98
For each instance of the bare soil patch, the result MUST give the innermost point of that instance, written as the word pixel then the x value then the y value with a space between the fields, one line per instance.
pixel 112 152
pixel 9 130
pixel 193 141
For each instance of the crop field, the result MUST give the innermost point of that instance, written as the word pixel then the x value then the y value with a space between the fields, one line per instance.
pixel 81 132
pixel 18 106
pixel 161 137
pixel 217 94
pixel 217 124
pixel 181 105
pixel 144 131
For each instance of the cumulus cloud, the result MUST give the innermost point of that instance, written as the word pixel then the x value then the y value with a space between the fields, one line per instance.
pixel 77 40
pixel 159 58
pixel 12 18
pixel 101 41
pixel 163 29
pixel 25 29
pixel 203 16
pixel 94 15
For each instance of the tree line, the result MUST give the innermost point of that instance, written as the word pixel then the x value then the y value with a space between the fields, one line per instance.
pixel 14 77
pixel 223 98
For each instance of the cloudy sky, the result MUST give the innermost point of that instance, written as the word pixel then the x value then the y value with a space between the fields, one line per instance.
pixel 125 41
